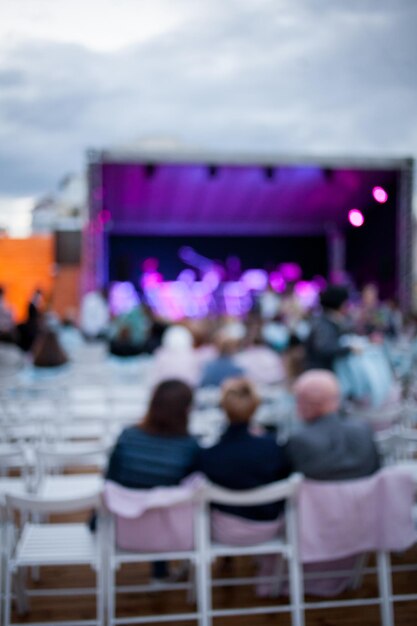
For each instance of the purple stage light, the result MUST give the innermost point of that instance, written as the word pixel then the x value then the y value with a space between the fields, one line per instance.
pixel 277 282
pixel 211 280
pixel 123 298
pixel 187 276
pixel 255 280
pixel 237 301
pixel 308 293
pixel 356 218
pixel 291 272
pixel 380 195
pixel 151 279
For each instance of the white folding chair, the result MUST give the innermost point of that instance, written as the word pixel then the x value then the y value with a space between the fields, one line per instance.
pixel 75 455
pixel 69 544
pixel 284 544
pixel 397 444
pixel 87 401
pixel 169 507
pixel 371 514
pixel 14 456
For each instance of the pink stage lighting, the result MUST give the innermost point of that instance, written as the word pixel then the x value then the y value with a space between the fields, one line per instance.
pixel 356 218
pixel 380 195
pixel 150 265
pixel 104 216
pixel 291 272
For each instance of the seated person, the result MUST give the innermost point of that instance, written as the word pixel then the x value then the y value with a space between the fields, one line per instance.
pixel 7 326
pixel 47 351
pixel 241 459
pixel 157 452
pixel 222 366
pixel 175 358
pixel 328 446
pixel 260 363
pixel 123 345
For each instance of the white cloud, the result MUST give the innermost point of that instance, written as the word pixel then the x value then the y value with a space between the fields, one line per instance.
pixel 15 215
pixel 312 76
pixel 102 25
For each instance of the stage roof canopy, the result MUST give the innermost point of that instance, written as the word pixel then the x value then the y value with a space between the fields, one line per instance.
pixel 211 196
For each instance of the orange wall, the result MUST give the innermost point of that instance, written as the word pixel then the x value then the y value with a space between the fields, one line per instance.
pixel 26 264
pixel 66 293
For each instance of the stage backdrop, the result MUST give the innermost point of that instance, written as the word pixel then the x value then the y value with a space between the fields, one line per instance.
pixel 348 215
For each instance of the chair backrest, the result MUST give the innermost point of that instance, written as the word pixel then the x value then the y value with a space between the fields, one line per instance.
pixel 154 520
pixel 397 444
pixel 16 456
pixel 37 504
pixel 232 530
pixel 344 518
pixel 280 490
pixel 72 454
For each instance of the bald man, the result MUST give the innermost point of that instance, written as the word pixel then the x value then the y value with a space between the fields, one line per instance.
pixel 327 446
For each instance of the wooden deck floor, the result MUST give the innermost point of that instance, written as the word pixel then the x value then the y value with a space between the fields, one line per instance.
pixel 83 607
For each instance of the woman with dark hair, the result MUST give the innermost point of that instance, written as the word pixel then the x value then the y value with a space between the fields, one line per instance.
pixel 157 452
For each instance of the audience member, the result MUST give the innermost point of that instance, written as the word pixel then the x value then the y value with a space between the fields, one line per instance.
pixel 260 363
pixel 94 315
pixel 47 351
pixel 223 366
pixel 328 446
pixel 69 335
pixel 7 327
pixel 32 326
pixel 242 459
pixel 323 345
pixel 133 325
pixel 176 358
pixel 155 334
pixel 158 451
pixel 122 344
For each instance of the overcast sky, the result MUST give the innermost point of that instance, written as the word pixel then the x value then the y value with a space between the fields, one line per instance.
pixel 289 76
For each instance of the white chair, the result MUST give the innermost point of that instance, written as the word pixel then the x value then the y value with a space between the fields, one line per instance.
pixel 14 456
pixel 145 526
pixel 353 517
pixel 78 456
pixel 284 544
pixel 397 444
pixel 55 544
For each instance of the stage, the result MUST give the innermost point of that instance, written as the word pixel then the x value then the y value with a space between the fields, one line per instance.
pixel 338 220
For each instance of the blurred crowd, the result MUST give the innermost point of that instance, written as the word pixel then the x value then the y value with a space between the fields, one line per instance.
pixel 276 341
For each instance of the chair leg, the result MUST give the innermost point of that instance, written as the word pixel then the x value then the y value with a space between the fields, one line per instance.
pixel 357 575
pixel 22 600
pixel 203 579
pixel 385 588
pixel 296 592
pixel 192 580
pixel 7 597
pixel 278 576
pixel 111 594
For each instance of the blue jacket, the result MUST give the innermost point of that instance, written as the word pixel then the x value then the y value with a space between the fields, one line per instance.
pixel 241 460
pixel 141 461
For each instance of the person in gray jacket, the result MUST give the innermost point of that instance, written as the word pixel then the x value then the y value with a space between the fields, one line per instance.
pixel 328 446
